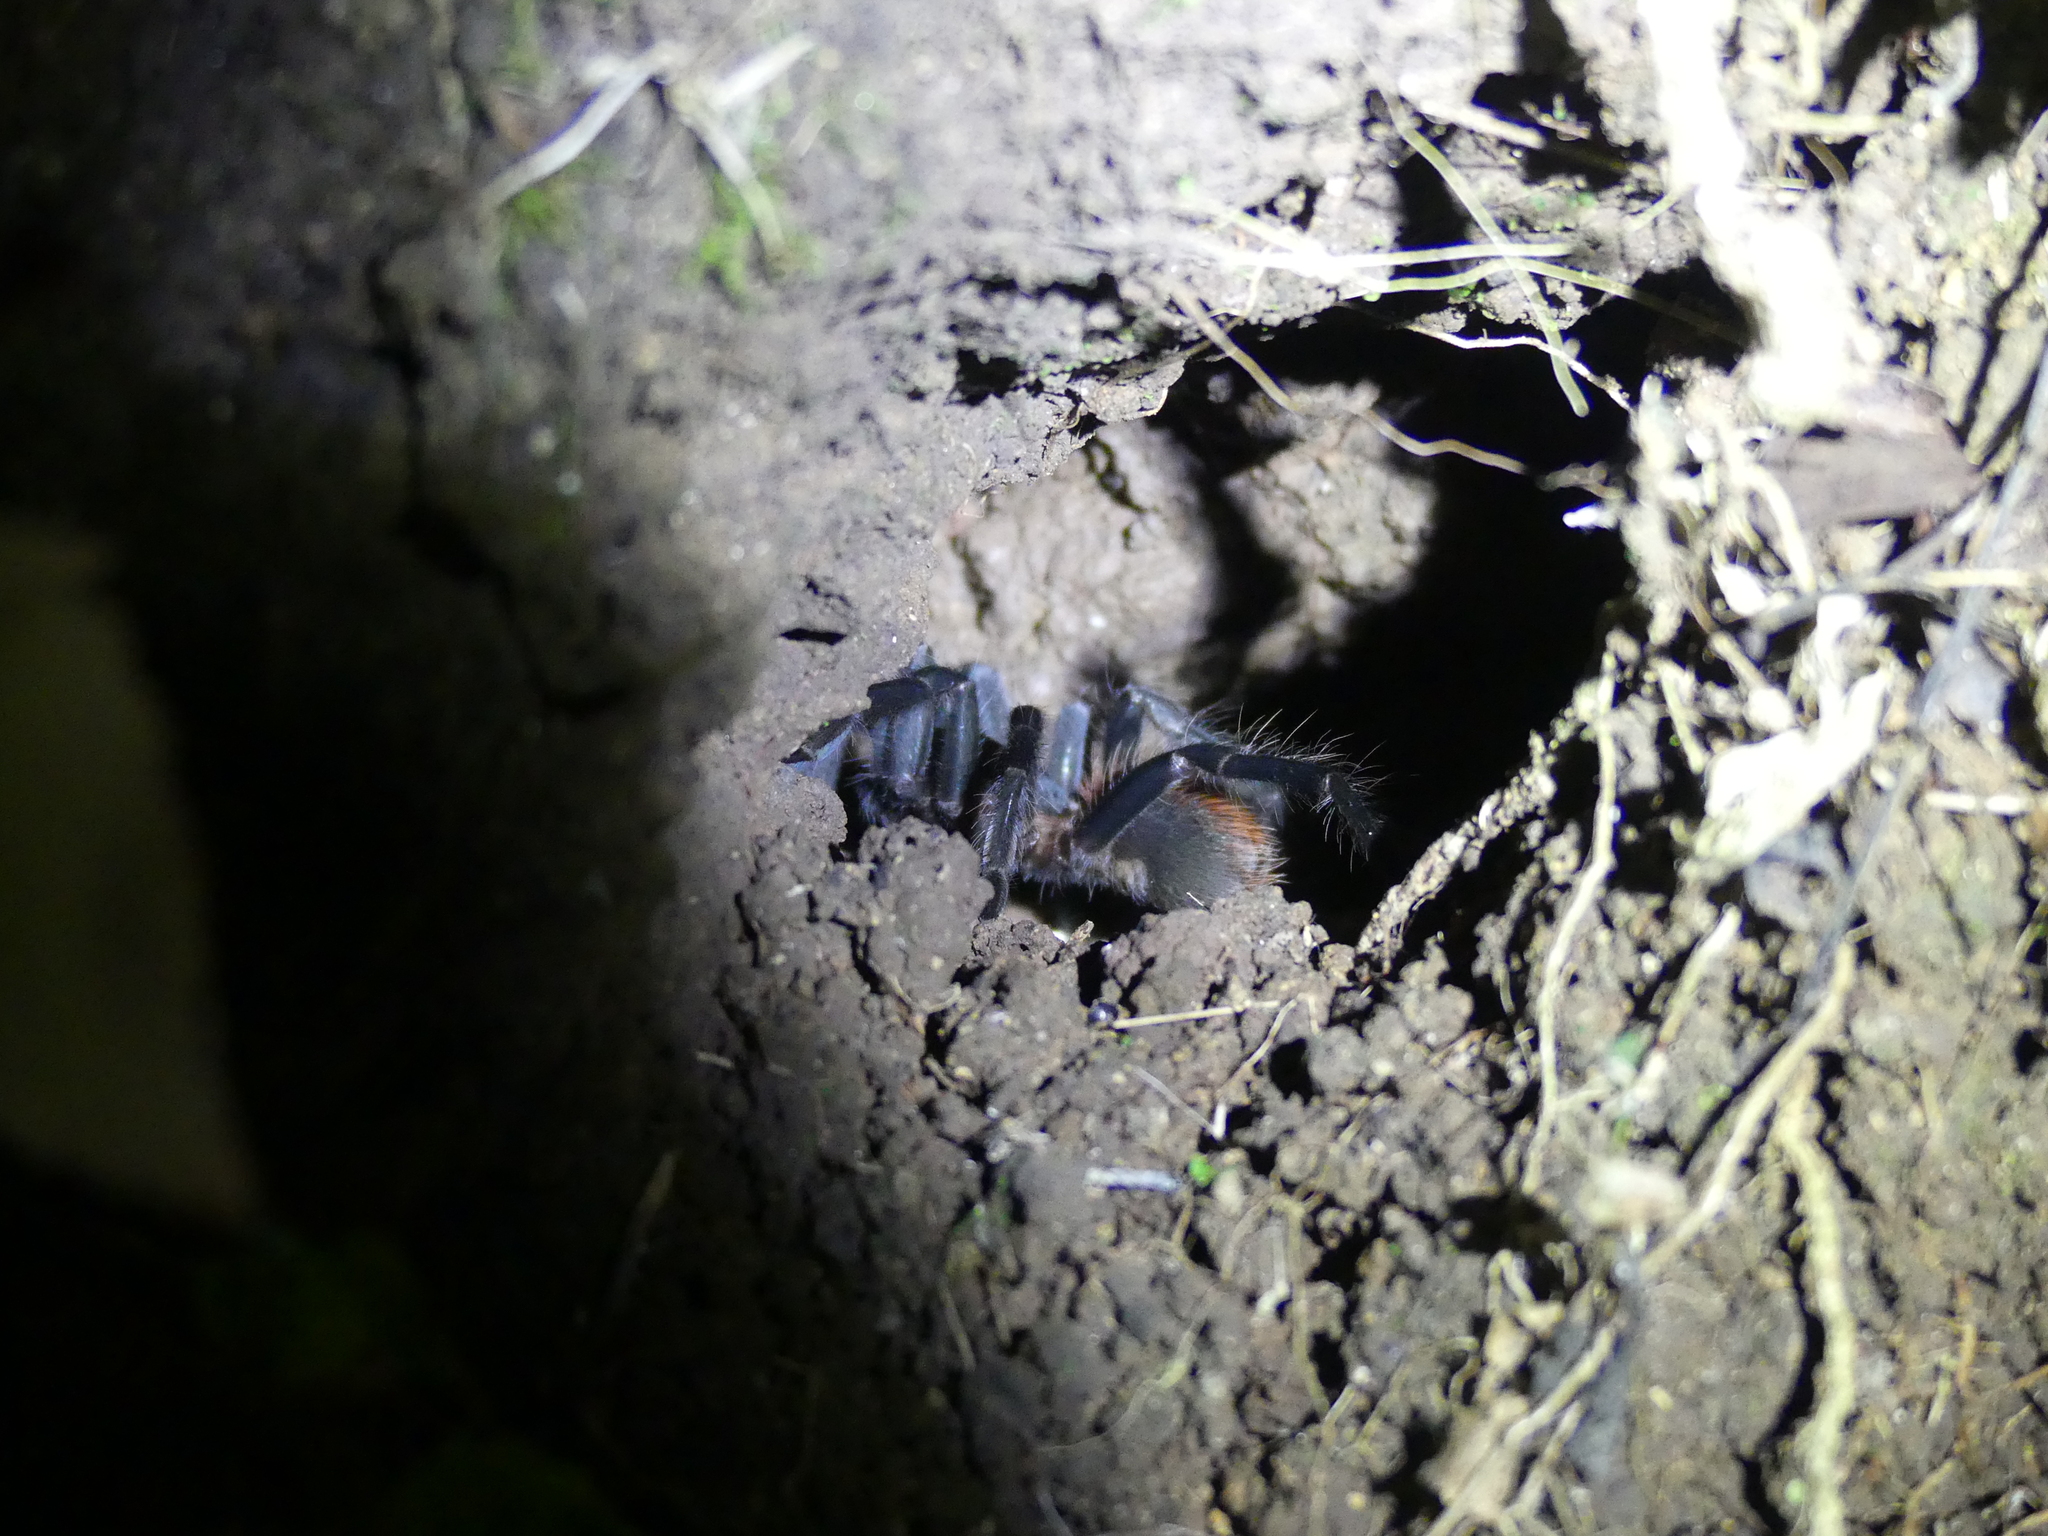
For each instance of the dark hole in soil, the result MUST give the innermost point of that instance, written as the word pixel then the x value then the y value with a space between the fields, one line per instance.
pixel 1413 1498
pixel 1327 1357
pixel 1511 1222
pixel 1259 1159
pixel 1289 1070
pixel 1756 1488
pixel 1436 692
pixel 1338 1263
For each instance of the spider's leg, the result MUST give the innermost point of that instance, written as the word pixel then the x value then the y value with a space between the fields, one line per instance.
pixel 1181 727
pixel 1323 784
pixel 1128 799
pixel 1008 807
pixel 1176 722
pixel 956 737
pixel 991 702
pixel 1066 760
pixel 1165 846
pixel 1126 724
pixel 1327 786
pixel 899 718
pixel 823 753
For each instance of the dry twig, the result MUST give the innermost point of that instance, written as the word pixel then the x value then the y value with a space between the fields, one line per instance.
pixel 1187 1015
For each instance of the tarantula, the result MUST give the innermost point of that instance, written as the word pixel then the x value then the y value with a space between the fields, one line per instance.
pixel 1186 826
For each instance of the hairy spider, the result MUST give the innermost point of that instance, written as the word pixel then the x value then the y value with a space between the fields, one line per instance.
pixel 1185 826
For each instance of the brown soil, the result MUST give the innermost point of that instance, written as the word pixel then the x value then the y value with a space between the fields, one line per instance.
pixel 491 563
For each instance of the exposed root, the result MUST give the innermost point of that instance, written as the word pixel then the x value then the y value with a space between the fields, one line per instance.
pixel 1245 1070
pixel 956 1325
pixel 1298 1313
pixel 1678 1008
pixel 1443 445
pixel 1525 796
pixel 1764 1095
pixel 1189 1015
pixel 1913 1519
pixel 1585 893
pixel 661 1184
pixel 1198 313
pixel 1828 1290
pixel 1490 1465
pixel 1538 1480
pixel 1599 381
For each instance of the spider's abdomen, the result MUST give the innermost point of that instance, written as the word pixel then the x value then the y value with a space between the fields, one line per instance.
pixel 1192 847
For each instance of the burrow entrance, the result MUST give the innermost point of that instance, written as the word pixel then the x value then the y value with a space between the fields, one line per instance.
pixel 1309 573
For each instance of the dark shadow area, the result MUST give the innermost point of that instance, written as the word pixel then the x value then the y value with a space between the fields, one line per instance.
pixel 421 773
pixel 1550 88
pixel 2012 80
pixel 424 795
pixel 180 1377
pixel 418 739
pixel 2000 305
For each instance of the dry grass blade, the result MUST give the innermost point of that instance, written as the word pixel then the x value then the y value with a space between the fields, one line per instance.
pixel 703 108
pixel 1215 335
pixel 732 162
pixel 563 150
pixel 1462 190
